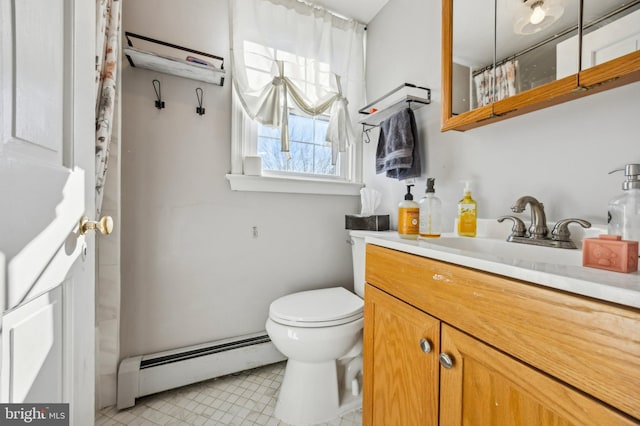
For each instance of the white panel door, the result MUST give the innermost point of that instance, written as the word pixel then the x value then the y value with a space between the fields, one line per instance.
pixel 33 350
pixel 47 149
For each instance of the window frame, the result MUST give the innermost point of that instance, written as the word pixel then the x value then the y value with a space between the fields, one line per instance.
pixel 244 143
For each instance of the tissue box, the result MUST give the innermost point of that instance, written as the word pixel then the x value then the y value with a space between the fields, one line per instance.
pixel 610 252
pixel 253 166
pixel 367 223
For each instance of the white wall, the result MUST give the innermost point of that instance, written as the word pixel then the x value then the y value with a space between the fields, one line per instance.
pixel 191 270
pixel 560 155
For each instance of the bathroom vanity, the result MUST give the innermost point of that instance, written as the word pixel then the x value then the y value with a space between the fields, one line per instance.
pixel 450 344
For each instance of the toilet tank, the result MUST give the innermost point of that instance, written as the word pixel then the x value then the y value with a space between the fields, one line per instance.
pixel 358 256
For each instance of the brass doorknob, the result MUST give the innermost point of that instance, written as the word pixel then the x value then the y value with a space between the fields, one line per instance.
pixel 104 225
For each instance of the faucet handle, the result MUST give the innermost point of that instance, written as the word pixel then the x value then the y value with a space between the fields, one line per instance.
pixel 561 231
pixel 519 229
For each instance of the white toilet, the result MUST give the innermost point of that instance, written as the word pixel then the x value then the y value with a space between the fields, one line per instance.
pixel 320 331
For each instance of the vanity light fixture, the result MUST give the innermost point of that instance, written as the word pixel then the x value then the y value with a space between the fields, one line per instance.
pixel 536 15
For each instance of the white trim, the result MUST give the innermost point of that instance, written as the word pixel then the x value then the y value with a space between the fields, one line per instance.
pixel 241 182
pixel 240 131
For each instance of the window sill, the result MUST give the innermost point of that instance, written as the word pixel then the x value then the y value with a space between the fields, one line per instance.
pixel 240 182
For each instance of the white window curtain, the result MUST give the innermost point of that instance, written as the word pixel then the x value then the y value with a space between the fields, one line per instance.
pixel 311 61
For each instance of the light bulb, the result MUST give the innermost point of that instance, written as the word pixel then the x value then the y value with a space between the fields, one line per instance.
pixel 538 14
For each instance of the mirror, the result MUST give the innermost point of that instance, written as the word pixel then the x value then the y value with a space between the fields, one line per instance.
pixel 496 50
pixel 611 30
pixel 527 34
pixel 521 37
pixel 473 53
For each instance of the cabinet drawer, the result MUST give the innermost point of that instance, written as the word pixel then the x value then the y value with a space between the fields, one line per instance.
pixel 588 344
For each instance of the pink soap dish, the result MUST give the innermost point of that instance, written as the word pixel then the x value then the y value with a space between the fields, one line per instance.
pixel 610 252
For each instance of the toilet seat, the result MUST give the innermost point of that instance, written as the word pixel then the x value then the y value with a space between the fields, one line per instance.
pixel 326 307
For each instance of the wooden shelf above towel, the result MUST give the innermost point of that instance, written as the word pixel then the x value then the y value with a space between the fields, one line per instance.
pixel 406 95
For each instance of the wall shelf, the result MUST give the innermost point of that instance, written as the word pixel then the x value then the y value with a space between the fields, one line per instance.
pixel 192 64
pixel 406 95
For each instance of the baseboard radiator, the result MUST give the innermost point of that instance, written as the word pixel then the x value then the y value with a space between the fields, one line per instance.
pixel 147 374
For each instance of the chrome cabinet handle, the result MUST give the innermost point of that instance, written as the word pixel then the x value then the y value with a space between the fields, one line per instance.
pixel 104 225
pixel 425 346
pixel 446 361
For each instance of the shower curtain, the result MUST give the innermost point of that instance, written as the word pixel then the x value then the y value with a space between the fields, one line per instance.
pixel 489 90
pixel 107 57
pixel 107 97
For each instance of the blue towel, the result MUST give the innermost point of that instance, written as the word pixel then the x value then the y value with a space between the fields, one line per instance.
pixel 398 152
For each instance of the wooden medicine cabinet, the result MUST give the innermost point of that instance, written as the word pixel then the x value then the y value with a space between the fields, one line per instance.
pixel 502 58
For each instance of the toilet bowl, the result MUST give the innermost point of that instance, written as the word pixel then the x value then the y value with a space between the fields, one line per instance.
pixel 320 332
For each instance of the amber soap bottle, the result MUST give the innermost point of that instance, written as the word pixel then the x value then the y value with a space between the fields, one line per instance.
pixel 408 217
pixel 467 213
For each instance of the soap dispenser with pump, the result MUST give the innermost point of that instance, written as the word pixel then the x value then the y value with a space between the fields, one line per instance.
pixel 624 210
pixel 408 217
pixel 430 212
pixel 467 213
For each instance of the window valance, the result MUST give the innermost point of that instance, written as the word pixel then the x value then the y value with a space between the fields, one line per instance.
pixel 286 54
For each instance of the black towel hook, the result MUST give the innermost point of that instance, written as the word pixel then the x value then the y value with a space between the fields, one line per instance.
pixel 199 96
pixel 366 128
pixel 156 88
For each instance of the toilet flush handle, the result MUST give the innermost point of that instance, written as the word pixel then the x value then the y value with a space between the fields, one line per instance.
pixel 355 387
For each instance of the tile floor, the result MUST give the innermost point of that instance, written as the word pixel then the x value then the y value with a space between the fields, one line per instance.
pixel 246 398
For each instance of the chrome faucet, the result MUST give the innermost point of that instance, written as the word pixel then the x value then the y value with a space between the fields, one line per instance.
pixel 538 231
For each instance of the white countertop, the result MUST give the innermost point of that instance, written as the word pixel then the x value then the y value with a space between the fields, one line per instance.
pixel 615 287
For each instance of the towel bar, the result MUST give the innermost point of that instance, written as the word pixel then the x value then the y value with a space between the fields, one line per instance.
pixel 402 96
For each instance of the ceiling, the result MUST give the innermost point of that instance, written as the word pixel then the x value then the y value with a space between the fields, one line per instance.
pixel 360 10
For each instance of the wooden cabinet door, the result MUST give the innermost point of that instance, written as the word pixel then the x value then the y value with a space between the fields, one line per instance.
pixel 487 387
pixel 400 378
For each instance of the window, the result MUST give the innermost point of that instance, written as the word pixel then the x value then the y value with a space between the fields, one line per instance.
pixel 293 67
pixel 309 152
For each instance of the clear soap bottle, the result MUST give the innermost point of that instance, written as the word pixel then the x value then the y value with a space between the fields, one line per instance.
pixel 430 212
pixel 624 210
